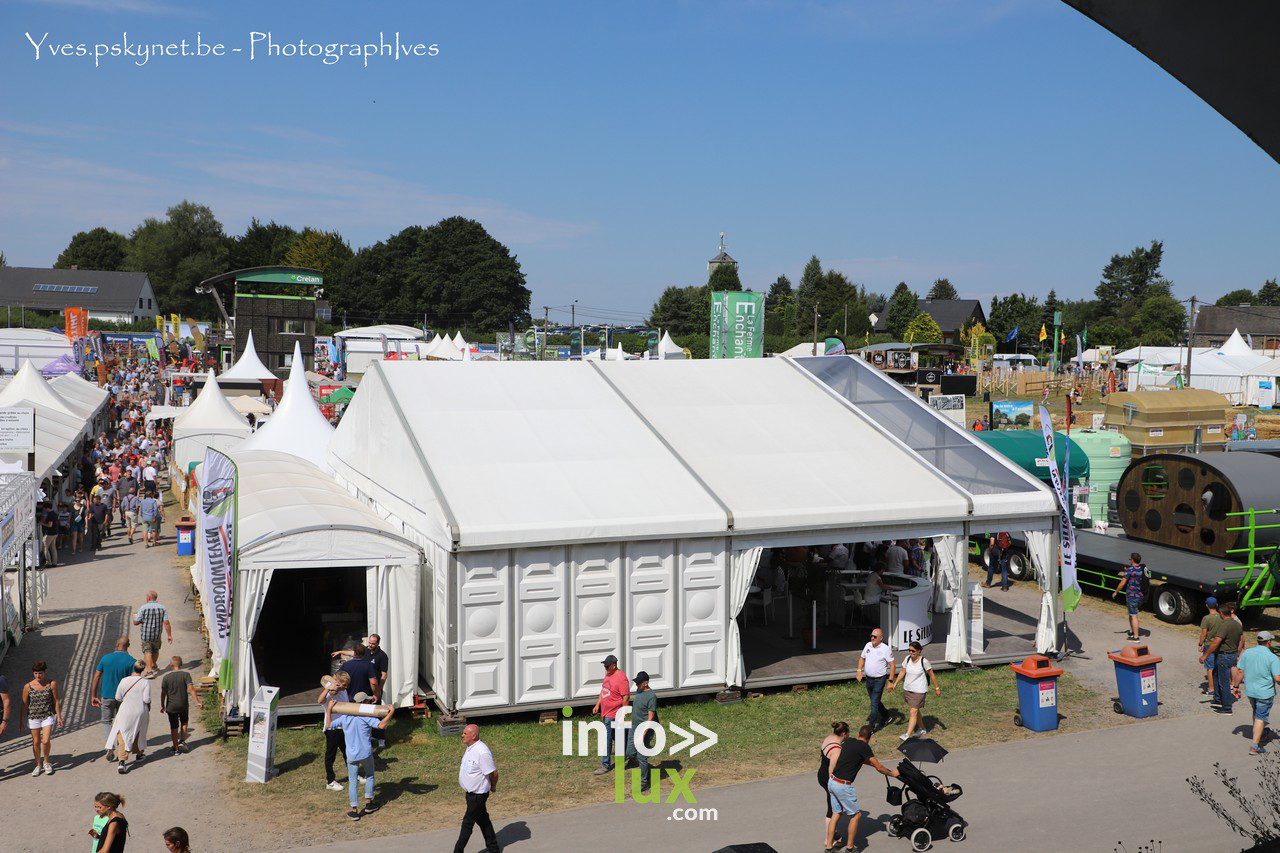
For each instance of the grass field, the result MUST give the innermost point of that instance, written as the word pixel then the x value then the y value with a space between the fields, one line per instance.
pixel 775 735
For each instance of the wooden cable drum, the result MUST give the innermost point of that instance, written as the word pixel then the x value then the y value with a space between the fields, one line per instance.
pixel 1183 500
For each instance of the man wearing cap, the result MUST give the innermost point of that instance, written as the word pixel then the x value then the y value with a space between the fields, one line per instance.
pixel 1224 645
pixel 644 709
pixel 1207 624
pixel 1256 673
pixel 615 690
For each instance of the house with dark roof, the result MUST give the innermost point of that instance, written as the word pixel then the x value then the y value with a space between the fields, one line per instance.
pixel 1215 323
pixel 951 315
pixel 115 297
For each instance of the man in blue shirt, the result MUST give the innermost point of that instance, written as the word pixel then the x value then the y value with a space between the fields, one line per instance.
pixel 357 733
pixel 1257 671
pixel 106 678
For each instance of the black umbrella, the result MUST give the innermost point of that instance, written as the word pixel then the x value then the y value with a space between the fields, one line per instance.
pixel 922 749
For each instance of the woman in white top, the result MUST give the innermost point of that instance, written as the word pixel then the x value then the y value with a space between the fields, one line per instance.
pixel 875 585
pixel 129 729
pixel 915 676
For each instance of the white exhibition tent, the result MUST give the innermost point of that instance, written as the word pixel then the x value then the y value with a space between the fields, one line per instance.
pixel 82 394
pixel 442 348
pixel 164 413
pixel 291 515
pixel 669 349
pixel 1232 370
pixel 805 349
pixel 552 498
pixel 296 427
pixel 39 346
pixel 209 421
pixel 246 405
pixel 248 367
pixel 615 354
pixel 390 331
pixel 60 425
pixel 364 345
pixel 460 342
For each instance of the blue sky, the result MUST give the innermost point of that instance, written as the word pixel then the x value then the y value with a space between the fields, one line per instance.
pixel 1006 144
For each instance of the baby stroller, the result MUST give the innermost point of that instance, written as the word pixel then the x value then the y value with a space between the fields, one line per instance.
pixel 926 810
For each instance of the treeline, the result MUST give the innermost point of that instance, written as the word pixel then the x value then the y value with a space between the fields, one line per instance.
pixel 451 274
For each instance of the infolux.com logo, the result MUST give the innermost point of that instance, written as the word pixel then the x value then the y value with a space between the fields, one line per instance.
pixel 649 739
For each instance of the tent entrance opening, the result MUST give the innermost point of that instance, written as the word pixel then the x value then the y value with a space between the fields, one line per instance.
pixel 308 614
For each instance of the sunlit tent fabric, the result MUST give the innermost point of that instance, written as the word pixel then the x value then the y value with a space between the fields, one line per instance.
pixel 442 348
pixel 60 426
pixel 1210 371
pixel 248 366
pixel 39 346
pixel 616 354
pixel 164 413
pixel 459 341
pixel 1236 345
pixel 85 396
pixel 516 478
pixel 297 426
pixel 669 349
pixel 247 405
pixel 209 421
pixel 291 515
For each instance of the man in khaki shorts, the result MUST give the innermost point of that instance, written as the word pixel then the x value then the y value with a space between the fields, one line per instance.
pixel 150 618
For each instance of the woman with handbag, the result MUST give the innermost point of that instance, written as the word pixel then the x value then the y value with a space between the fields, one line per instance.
pixel 915 677
pixel 129 729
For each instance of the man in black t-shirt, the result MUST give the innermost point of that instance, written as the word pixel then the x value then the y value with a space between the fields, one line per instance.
pixel 854 752
pixel 380 662
pixel 363 672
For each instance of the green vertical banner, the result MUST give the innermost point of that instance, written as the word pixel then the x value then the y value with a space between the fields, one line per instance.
pixel 737 324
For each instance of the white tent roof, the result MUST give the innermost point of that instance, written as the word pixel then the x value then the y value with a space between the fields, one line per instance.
pixel 208 422
pixel 442 347
pixel 391 331
pixel 619 450
pixel 59 425
pixel 248 366
pixel 1216 364
pixel 668 348
pixel 459 341
pixel 296 427
pixel 1236 345
pixel 616 354
pixel 246 405
pixel 806 349
pixel 162 413
pixel 87 397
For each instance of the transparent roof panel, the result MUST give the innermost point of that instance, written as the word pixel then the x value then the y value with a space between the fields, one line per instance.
pixel 949 448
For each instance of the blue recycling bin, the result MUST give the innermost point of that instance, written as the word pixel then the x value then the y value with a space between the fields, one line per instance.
pixel 1136 681
pixel 1037 681
pixel 186 528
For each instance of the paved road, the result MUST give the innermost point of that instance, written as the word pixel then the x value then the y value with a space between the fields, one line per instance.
pixel 89 604
pixel 1078 792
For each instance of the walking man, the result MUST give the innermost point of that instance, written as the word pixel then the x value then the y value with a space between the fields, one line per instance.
pixel 478 777
pixel 854 752
pixel 174 688
pixel 998 551
pixel 1224 645
pixel 106 678
pixel 615 691
pixel 358 746
pixel 149 513
pixel 1207 624
pixel 877 662
pixel 1131 580
pixel 644 709
pixel 97 518
pixel 150 618
pixel 1257 673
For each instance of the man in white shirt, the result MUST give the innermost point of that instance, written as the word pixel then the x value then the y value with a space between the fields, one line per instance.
pixel 876 661
pixel 896 558
pixel 478 776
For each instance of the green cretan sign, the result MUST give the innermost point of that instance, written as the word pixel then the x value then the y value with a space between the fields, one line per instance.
pixel 283 278
pixel 737 324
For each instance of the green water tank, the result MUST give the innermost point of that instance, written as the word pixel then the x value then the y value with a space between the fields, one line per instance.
pixel 1109 456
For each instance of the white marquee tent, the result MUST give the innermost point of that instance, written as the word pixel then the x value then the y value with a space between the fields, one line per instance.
pixel 39 346
pixel 572 510
pixel 248 367
pixel 669 349
pixel 291 515
pixel 60 425
pixel 443 348
pixel 363 345
pixel 209 421
pixel 82 394
pixel 297 427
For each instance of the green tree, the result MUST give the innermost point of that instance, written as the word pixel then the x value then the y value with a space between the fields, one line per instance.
pixel 1015 311
pixel 779 305
pixel 98 249
pixel 325 251
pixel 903 307
pixel 1128 280
pixel 454 272
pixel 4 262
pixel 1269 293
pixel 1243 296
pixel 177 253
pixel 942 289
pixel 923 330
pixel 807 293
pixel 1160 321
pixel 724 277
pixel 261 245
pixel 837 298
pixel 1051 305
pixel 679 311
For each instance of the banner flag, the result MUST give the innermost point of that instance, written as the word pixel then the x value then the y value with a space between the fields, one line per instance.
pixel 218 505
pixel 737 318
pixel 152 350
pixel 77 321
pixel 1066 533
pixel 1044 334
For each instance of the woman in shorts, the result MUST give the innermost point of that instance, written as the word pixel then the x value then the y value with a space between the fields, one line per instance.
pixel 44 710
pixel 915 676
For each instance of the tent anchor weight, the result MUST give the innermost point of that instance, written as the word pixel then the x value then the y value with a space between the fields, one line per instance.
pixel 728 697
pixel 451 725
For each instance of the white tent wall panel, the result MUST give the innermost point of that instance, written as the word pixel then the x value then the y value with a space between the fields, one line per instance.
pixel 542 658
pixel 702 580
pixel 484 630
pixel 650 607
pixel 596 572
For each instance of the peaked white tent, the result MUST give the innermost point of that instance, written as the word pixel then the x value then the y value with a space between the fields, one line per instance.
pixel 459 341
pixel 248 367
pixel 442 348
pixel 1236 346
pixel 82 394
pixel 209 421
pixel 60 426
pixel 616 354
pixel 292 516
pixel 668 349
pixel 297 427
pixel 246 405
pixel 528 595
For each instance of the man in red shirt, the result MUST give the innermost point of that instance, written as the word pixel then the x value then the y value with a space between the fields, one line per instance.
pixel 615 692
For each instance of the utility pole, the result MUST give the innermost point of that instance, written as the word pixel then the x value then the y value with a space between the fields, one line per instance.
pixel 846 319
pixel 815 330
pixel 1191 340
pixel 542 350
pixel 573 314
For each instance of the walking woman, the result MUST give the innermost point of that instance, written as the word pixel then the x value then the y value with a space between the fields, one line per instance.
pixel 77 523
pixel 111 838
pixel 44 711
pixel 129 728
pixel 176 840
pixel 830 752
pixel 915 677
